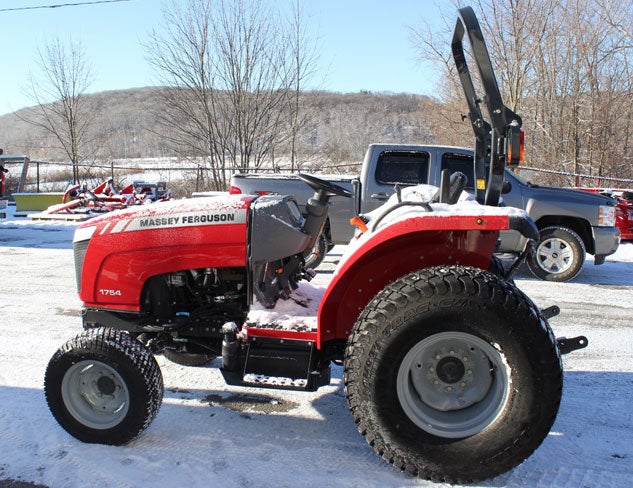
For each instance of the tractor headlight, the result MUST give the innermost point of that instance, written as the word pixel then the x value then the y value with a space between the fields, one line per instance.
pixel 606 216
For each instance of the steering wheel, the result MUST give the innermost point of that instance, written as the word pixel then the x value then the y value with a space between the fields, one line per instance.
pixel 330 189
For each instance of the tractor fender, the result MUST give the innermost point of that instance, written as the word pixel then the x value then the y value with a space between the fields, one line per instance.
pixel 374 260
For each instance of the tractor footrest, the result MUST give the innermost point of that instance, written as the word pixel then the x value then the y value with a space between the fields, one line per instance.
pixel 281 364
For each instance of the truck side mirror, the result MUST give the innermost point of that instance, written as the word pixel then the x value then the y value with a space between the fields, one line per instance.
pixel 506 187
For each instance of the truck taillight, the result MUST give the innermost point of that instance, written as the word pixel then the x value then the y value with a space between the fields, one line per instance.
pixel 515 145
pixel 236 190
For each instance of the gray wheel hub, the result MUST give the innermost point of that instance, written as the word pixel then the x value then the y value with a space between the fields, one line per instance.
pixel 453 384
pixel 95 394
pixel 554 255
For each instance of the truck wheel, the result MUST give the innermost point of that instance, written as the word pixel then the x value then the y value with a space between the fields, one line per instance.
pixel 103 386
pixel 316 257
pixel 559 255
pixel 452 374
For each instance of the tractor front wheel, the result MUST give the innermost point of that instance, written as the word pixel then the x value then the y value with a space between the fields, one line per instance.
pixel 103 386
pixel 452 374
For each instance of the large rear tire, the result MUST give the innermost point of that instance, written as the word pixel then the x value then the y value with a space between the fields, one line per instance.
pixel 452 374
pixel 103 386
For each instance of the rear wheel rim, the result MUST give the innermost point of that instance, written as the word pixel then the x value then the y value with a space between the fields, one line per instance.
pixel 453 384
pixel 95 394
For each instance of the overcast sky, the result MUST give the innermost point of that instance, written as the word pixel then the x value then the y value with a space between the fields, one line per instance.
pixel 363 44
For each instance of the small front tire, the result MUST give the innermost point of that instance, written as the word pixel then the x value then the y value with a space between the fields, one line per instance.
pixel 103 386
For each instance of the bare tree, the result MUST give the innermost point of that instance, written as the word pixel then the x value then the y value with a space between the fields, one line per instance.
pixel 58 89
pixel 229 77
pixel 303 53
pixel 565 67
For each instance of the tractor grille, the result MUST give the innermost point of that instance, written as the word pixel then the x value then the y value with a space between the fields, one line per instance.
pixel 79 251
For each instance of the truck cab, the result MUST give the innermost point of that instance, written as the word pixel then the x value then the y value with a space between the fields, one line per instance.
pixel 572 223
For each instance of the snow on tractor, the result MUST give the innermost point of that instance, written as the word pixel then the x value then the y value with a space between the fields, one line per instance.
pixel 451 372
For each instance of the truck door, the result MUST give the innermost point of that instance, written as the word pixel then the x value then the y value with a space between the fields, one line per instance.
pixel 396 167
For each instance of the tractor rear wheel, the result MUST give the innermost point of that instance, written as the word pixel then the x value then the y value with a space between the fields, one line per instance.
pixel 103 386
pixel 452 374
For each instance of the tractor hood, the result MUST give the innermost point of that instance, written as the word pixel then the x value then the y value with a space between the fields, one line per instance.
pixel 174 214
pixel 115 254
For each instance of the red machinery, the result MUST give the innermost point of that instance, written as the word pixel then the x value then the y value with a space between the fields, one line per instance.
pixel 623 209
pixel 105 198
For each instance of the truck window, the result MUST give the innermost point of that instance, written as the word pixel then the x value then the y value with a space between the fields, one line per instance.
pixel 403 167
pixel 460 162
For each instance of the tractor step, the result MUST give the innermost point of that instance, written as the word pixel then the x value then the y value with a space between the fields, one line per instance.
pixel 279 363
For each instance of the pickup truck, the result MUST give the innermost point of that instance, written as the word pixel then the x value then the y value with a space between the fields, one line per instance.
pixel 571 223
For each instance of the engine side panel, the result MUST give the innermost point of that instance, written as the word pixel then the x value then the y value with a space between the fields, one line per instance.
pixel 276 229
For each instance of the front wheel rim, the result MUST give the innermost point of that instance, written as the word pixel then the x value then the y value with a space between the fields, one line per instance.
pixel 554 255
pixel 453 384
pixel 95 394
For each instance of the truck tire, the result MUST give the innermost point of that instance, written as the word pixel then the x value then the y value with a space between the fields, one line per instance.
pixel 103 386
pixel 316 257
pixel 559 256
pixel 452 374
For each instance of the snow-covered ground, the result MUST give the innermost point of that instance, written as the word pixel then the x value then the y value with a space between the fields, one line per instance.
pixel 207 434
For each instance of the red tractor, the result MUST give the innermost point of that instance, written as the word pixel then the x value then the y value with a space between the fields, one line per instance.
pixel 451 372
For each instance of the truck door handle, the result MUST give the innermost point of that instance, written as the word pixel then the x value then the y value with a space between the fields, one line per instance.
pixel 380 196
